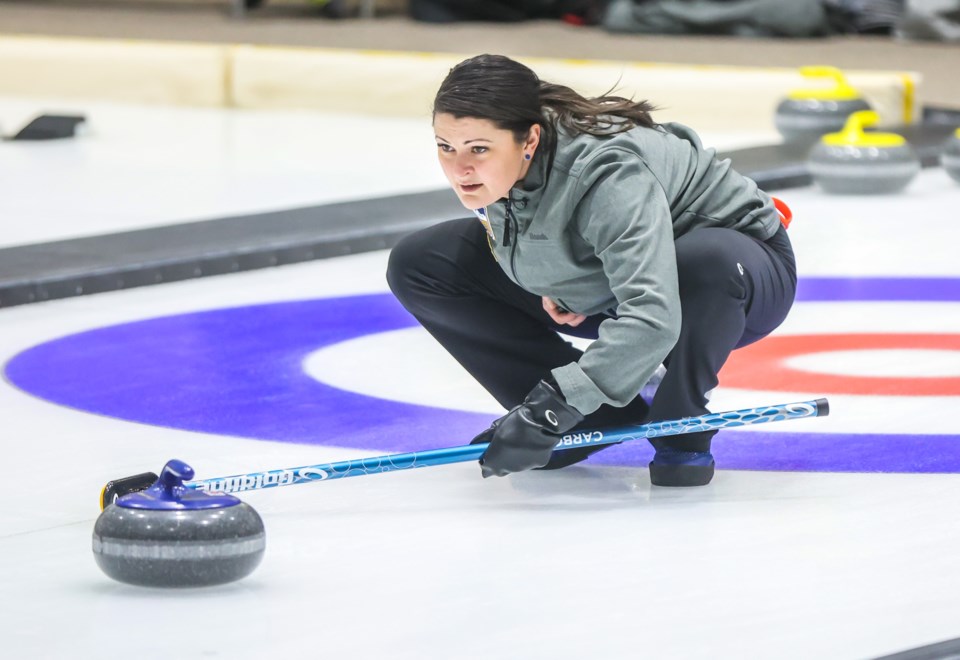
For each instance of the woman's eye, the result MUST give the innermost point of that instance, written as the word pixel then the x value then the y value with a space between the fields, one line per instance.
pixel 446 148
pixel 480 150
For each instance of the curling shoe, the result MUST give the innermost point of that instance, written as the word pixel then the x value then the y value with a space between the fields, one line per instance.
pixel 677 468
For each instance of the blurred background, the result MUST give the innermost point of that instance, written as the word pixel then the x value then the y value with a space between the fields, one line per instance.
pixel 910 35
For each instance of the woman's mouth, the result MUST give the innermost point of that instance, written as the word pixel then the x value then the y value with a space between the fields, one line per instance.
pixel 470 187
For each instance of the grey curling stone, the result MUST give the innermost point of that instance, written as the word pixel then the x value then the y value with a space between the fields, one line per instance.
pixel 856 163
pixel 950 156
pixel 799 120
pixel 806 114
pixel 174 536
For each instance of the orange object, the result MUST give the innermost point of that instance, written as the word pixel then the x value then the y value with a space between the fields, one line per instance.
pixel 786 215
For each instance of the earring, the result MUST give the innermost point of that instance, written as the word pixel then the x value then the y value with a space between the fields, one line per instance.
pixel 527 156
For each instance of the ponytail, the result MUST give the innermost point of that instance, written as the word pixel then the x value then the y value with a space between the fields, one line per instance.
pixel 510 95
pixel 601 115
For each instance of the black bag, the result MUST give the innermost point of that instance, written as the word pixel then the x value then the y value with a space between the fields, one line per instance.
pixel 937 20
pixel 448 11
pixel 744 18
pixel 864 16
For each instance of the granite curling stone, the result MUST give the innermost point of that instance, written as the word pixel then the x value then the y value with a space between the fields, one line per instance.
pixel 856 163
pixel 171 535
pixel 950 156
pixel 806 114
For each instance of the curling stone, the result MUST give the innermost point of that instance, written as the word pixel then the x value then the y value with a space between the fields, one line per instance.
pixel 173 536
pixel 950 156
pixel 857 163
pixel 806 114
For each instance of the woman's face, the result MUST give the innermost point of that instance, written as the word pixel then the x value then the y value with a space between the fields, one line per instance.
pixel 481 161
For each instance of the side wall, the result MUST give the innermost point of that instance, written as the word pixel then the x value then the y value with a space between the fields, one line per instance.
pixel 395 83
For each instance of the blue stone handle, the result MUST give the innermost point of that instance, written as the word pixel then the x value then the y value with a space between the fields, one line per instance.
pixel 169 486
pixel 168 493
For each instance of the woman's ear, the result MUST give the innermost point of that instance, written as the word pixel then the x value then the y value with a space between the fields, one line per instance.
pixel 533 138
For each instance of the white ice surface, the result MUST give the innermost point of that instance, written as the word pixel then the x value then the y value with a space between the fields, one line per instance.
pixel 134 167
pixel 911 233
pixel 591 561
pixel 889 363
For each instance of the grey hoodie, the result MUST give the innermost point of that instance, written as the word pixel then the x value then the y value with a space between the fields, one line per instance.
pixel 593 229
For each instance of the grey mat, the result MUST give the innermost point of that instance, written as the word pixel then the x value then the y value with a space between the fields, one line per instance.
pixel 59 269
pixel 949 650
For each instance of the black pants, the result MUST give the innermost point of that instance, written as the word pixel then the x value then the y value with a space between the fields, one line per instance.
pixel 447 278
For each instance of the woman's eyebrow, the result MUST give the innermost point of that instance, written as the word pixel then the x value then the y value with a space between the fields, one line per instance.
pixel 465 141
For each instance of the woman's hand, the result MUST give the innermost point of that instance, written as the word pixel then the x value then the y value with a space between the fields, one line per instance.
pixel 524 438
pixel 560 315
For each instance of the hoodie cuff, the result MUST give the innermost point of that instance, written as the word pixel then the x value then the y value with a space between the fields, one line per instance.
pixel 577 388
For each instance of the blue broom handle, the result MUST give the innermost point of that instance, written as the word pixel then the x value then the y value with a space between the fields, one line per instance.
pixel 418 459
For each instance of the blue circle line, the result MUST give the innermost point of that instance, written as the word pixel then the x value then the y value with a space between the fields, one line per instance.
pixel 239 372
pixel 887 289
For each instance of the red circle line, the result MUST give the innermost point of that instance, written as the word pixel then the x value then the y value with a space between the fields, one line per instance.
pixel 762 365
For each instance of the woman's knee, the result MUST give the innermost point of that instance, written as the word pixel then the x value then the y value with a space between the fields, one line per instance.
pixel 434 260
pixel 403 262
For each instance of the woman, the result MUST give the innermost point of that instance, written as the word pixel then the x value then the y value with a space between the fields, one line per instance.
pixel 596 222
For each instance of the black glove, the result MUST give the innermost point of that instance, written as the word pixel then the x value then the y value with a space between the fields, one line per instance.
pixel 524 438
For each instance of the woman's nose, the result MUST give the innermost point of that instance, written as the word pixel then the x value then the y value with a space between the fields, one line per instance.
pixel 462 166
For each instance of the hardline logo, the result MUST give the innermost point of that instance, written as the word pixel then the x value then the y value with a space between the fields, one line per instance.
pixel 242 482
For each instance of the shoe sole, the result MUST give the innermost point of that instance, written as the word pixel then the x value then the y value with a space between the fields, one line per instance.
pixel 681 476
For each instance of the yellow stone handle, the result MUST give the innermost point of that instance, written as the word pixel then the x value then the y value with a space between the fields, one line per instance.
pixel 841 90
pixel 856 122
pixel 853 134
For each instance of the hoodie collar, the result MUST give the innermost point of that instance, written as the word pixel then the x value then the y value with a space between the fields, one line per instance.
pixel 536 176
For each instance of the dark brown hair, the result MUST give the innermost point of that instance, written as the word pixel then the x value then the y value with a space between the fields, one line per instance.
pixel 510 95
